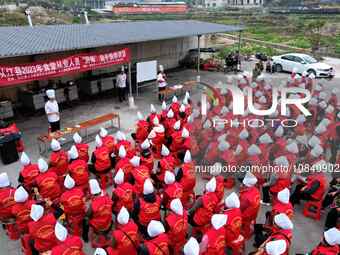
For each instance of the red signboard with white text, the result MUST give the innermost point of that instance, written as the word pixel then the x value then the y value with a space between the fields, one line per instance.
pixel 14 74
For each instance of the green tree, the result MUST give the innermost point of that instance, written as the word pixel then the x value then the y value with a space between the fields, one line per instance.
pixel 313 33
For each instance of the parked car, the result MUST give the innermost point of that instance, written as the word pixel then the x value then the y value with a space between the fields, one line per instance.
pixel 302 63
pixel 190 59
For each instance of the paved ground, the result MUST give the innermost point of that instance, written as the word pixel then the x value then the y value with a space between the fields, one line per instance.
pixel 307 232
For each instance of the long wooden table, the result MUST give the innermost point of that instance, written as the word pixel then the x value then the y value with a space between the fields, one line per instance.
pixel 45 139
pixel 178 89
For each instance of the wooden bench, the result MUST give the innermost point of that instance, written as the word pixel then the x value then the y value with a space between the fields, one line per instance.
pixel 45 139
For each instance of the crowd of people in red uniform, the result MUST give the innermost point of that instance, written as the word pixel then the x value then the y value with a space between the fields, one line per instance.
pixel 139 197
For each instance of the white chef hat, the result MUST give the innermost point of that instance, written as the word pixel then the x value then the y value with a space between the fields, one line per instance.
pixel 174 99
pixel 210 186
pixel 155 121
pixel 55 145
pixel 279 132
pixel 254 150
pixel 69 182
pixel 152 134
pixel 161 68
pixel 232 201
pixel 249 179
pixel 50 93
pixel 182 108
pixel 4 180
pixel 330 109
pixel 99 141
pixel 281 161
pixel 207 124
pixel 293 148
pixel 283 221
pixel 152 108
pixel 121 152
pixel 170 114
pixel 103 132
pixel 301 119
pixel 155 228
pixel 159 129
pixel 148 187
pixel 276 247
pixel 332 236
pixel 119 178
pixel 244 134
pixel 135 161
pixel 185 133
pixel 320 129
pixel 316 151
pixel 94 187
pixel 73 152
pixel 187 157
pixel 238 149
pixel 265 139
pixel 164 106
pixel 191 247
pixel 20 195
pixel 42 165
pixel 176 206
pixel 165 151
pixel 216 169
pixel 77 138
pixel 60 232
pixel 223 145
pixel 37 211
pixel 120 136
pixel 313 141
pixel 177 125
pixel 169 177
pixel 140 116
pixel 24 159
pixel 145 145
pixel 100 251
pixel 123 216
pixel 218 220
pixel 283 196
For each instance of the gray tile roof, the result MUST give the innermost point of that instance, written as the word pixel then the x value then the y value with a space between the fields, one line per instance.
pixel 24 40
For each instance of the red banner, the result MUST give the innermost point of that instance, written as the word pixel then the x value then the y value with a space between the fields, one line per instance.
pixel 14 74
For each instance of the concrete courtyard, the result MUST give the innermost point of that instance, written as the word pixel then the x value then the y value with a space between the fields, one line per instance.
pixel 307 232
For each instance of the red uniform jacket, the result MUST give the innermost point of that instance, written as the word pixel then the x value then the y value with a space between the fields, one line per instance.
pixel 71 246
pixel 126 238
pixel 101 217
pixel 79 171
pixel 203 214
pixel 142 130
pixel 172 191
pixel 219 187
pixel 73 203
pixel 167 163
pixel 279 207
pixel 216 242
pixel 179 227
pixel 149 211
pixel 29 173
pixel 103 161
pixel 48 185
pixel 59 162
pixel 158 245
pixel 42 232
pixel 234 224
pixel 109 143
pixel 6 203
pixel 322 249
pixel 147 161
pixel 123 196
pixel 177 140
pixel 140 174
pixel 83 151
pixel 21 212
pixel 250 203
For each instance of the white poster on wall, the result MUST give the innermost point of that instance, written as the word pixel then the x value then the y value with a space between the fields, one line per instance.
pixel 146 71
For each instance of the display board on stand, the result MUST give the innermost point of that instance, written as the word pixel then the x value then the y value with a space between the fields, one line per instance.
pixel 146 71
